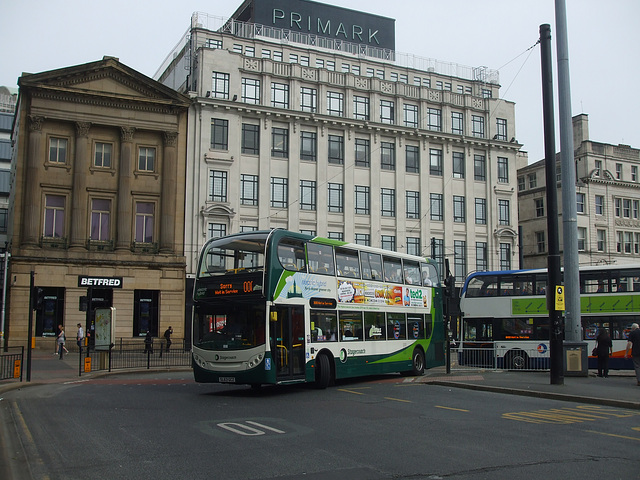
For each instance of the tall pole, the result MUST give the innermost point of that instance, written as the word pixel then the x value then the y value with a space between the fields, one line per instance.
pixel 553 261
pixel 3 340
pixel 30 333
pixel 573 330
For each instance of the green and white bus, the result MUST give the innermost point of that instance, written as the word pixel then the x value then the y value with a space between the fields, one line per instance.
pixel 278 307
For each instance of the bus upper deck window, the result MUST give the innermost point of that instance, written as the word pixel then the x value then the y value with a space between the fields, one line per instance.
pixel 291 255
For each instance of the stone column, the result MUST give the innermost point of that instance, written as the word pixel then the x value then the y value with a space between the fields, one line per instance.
pixel 79 232
pixel 31 213
pixel 125 174
pixel 169 192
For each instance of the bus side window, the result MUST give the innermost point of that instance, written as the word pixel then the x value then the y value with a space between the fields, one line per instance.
pixel 411 272
pixel 320 258
pixel 371 266
pixel 347 263
pixel 291 254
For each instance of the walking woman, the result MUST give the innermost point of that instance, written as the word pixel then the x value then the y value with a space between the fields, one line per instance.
pixel 604 345
pixel 61 340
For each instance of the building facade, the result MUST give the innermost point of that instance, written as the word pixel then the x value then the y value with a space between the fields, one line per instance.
pixel 344 140
pixel 608 203
pixel 97 216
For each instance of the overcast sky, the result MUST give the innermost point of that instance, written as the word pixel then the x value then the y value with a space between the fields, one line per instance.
pixel 41 35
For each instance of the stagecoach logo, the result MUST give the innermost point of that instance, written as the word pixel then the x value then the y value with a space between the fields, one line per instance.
pixel 542 348
pixel 343 355
pixel 225 357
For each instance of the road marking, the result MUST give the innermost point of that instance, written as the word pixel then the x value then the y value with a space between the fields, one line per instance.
pixel 265 427
pixel 579 414
pixel 614 435
pixel 451 408
pixel 350 391
pixel 398 399
pixel 29 449
pixel 241 429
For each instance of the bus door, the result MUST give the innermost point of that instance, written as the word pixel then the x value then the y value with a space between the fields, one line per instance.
pixel 287 341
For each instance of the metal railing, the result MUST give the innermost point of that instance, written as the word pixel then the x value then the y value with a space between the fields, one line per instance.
pixel 488 355
pixel 11 363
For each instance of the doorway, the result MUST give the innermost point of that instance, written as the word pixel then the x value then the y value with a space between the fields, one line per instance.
pixel 287 341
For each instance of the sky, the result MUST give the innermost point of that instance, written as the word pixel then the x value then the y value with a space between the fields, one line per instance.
pixel 603 38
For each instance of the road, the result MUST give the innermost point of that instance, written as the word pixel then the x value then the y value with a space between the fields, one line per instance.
pixel 165 426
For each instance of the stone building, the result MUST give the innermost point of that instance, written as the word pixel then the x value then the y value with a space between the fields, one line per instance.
pixel 333 133
pixel 98 202
pixel 608 203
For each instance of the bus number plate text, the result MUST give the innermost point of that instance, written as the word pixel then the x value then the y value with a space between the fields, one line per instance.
pixel 227 379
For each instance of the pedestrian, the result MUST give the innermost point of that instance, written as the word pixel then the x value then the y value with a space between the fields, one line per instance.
pixel 633 346
pixel 148 342
pixel 80 336
pixel 167 336
pixel 61 340
pixel 604 346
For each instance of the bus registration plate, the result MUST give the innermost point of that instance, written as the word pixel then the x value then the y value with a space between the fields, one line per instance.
pixel 227 379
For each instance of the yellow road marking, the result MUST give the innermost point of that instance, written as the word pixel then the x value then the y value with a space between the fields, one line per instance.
pixel 350 391
pixel 614 435
pixel 398 399
pixel 451 408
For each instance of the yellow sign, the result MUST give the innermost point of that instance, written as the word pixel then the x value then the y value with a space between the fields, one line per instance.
pixel 559 298
pixel 87 365
pixel 16 369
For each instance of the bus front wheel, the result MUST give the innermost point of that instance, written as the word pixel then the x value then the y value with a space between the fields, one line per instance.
pixel 417 363
pixel 323 371
pixel 516 360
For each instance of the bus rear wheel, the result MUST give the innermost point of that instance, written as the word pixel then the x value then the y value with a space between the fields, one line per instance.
pixel 516 360
pixel 323 371
pixel 417 363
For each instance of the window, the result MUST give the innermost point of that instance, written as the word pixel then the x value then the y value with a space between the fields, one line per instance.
pixel 57 150
pixel 266 53
pixel 4 219
pixel 436 206
pixel 250 91
pixel 460 258
pixel 503 170
pixel 214 43
pixel 438 253
pixel 533 180
pixel 602 240
pixel 477 126
pixel 293 58
pixel 250 51
pixel 279 192
pixel 634 173
pixel 387 112
pixel 362 200
pixel 360 108
pixel 319 63
pixel 435 161
pixel 458 209
pixel 102 157
pixel 457 123
pixel 146 159
pixel 145 312
pixel 434 119
pixel 335 104
pixel 388 242
pixel 280 142
pixel 539 207
pixel 617 202
pixel 599 203
pixel 216 230
pixel 387 156
pixel 307 195
pixel 219 134
pixel 308 99
pixel 237 48
pixel 479 168
pixel 363 239
pixel 304 60
pixel 540 242
pixel 280 95
pixel 412 153
pixel 217 186
pixel 277 56
pixel 410 115
pixel 618 171
pixel 626 208
pixel 336 197
pixel 363 152
pixel 250 139
pixel 580 202
pixel 598 165
pixel 504 214
pixel 331 65
pixel 501 129
pixel 336 149
pixel 336 236
pixel 54 216
pixel 521 185
pixel 413 204
pixel 481 256
pixel 481 211
pixel 505 256
pixel 636 209
pixel 220 85
pixel 249 189
pixel 144 222
pixel 458 164
pixel 308 146
pixel 388 201
pixel 413 246
pixel 582 239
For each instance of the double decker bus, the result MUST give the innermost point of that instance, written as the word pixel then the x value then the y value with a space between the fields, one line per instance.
pixel 505 321
pixel 278 307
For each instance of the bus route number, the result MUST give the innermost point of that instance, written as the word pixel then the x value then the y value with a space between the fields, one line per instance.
pixel 247 286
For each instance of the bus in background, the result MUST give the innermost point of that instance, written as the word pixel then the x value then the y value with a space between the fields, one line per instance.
pixel 277 307
pixel 505 321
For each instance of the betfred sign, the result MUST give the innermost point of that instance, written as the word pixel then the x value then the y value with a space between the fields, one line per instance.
pixel 99 282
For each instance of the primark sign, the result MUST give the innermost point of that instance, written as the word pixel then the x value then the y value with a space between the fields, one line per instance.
pixel 85 281
pixel 326 21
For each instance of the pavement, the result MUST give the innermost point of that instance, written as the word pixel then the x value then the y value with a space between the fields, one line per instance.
pixel 620 389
